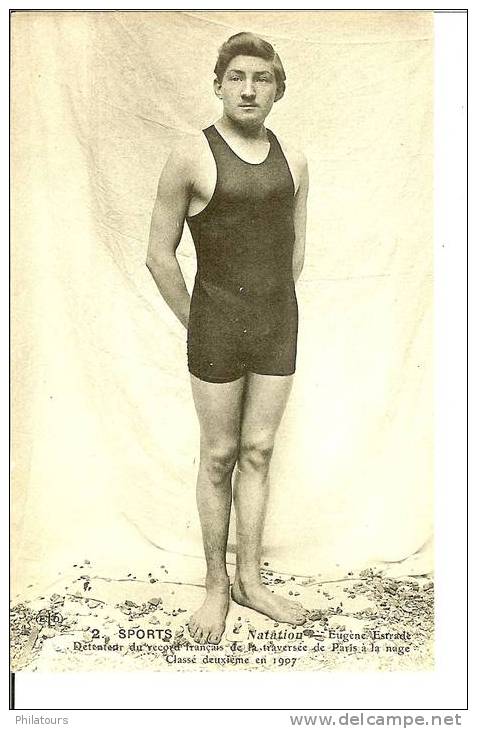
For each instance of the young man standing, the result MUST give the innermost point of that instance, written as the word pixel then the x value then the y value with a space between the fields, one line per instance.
pixel 243 195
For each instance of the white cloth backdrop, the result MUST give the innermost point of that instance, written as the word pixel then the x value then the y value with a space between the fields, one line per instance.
pixel 105 434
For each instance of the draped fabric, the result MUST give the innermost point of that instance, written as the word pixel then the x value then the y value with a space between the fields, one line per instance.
pixel 105 435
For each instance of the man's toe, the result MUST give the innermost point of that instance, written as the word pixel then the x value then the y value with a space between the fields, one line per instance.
pixel 214 637
pixel 198 635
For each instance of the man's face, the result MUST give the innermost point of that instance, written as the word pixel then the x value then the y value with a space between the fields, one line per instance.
pixel 248 90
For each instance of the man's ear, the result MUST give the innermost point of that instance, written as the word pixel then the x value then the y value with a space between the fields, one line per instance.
pixel 279 93
pixel 217 89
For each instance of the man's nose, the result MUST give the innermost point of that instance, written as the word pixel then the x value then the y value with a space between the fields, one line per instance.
pixel 248 89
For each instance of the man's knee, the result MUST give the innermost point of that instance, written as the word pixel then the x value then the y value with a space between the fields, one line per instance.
pixel 219 460
pixel 256 453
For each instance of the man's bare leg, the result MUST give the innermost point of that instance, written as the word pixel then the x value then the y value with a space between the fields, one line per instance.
pixel 264 402
pixel 218 408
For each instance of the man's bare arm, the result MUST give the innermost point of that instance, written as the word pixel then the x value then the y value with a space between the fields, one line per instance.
pixel 300 221
pixel 167 224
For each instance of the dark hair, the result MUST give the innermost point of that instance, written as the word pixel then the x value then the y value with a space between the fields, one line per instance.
pixel 249 44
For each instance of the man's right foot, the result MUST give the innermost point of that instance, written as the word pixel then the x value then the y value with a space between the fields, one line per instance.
pixel 208 623
pixel 259 598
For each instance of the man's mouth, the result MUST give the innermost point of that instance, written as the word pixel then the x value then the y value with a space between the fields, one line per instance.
pixel 248 106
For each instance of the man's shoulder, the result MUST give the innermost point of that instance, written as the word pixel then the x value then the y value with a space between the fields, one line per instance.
pixel 294 154
pixel 187 148
pixel 187 157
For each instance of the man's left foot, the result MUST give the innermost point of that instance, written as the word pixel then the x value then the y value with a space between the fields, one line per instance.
pixel 208 623
pixel 258 598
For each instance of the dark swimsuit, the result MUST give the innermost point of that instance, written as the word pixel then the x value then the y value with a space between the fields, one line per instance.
pixel 243 314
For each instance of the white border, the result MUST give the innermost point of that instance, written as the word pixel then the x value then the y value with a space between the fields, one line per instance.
pixel 443 689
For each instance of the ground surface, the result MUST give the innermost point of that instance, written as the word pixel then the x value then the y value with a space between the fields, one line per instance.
pixel 88 622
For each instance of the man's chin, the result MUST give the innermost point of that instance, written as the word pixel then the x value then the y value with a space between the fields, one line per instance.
pixel 248 121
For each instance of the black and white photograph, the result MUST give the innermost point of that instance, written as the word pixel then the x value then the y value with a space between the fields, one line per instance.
pixel 222 340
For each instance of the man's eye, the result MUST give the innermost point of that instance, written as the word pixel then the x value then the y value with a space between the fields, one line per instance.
pixel 263 79
pixel 235 78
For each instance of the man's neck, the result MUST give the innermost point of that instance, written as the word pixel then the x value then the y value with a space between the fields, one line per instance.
pixel 249 132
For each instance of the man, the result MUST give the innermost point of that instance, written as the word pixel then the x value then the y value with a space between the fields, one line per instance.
pixel 243 195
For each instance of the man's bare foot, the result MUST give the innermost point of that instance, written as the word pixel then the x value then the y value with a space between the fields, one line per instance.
pixel 208 623
pixel 277 608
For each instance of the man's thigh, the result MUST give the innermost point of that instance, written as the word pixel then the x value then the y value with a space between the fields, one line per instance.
pixel 265 399
pixel 219 407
